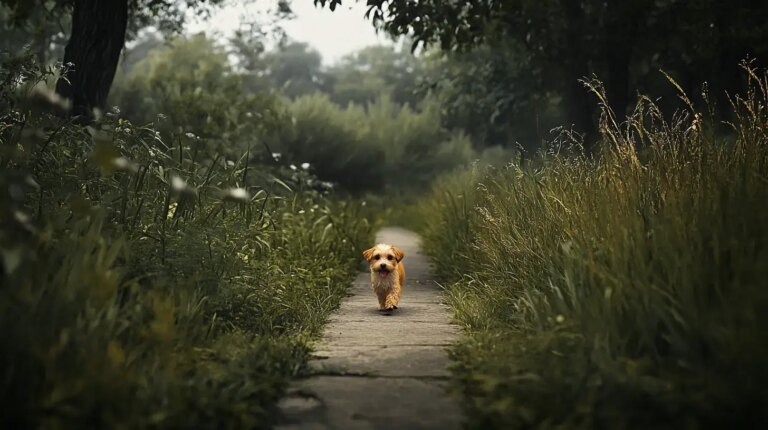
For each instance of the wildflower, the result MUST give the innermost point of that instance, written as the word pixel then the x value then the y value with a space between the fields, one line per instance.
pixel 182 190
pixel 276 156
pixel 293 167
pixel 120 163
pixel 178 184
pixel 236 195
pixel 305 166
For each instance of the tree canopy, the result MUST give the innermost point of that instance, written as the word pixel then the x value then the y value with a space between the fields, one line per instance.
pixel 564 41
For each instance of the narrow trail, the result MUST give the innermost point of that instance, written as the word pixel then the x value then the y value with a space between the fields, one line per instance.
pixel 378 371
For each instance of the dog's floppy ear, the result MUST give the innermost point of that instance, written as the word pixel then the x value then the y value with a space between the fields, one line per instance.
pixel 368 254
pixel 399 254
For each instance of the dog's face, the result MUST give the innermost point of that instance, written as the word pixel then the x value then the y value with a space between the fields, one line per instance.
pixel 383 258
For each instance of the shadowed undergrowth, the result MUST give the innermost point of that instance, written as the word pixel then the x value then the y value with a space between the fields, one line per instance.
pixel 623 291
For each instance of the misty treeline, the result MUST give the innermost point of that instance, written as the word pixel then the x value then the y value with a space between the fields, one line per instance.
pixel 505 74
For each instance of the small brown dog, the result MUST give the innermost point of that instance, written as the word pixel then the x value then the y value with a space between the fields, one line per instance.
pixel 387 274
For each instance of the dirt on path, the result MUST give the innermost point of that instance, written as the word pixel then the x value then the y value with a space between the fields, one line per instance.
pixel 377 371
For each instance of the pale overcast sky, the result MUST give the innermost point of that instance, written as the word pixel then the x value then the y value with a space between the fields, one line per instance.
pixel 334 34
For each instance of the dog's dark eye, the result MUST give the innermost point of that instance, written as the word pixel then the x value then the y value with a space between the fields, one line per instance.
pixel 389 257
pixel 376 257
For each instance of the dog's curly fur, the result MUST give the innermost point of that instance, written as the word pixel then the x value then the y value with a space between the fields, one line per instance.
pixel 387 274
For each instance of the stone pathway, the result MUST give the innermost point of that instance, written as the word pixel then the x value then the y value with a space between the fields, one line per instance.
pixel 378 371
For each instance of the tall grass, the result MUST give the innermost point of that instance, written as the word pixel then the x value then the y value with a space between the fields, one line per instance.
pixel 148 282
pixel 623 291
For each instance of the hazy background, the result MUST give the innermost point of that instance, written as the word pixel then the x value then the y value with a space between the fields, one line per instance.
pixel 334 34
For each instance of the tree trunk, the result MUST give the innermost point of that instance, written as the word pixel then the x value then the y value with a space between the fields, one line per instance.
pixel 93 51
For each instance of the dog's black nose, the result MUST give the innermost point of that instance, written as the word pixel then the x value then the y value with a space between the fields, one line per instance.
pixel 383 265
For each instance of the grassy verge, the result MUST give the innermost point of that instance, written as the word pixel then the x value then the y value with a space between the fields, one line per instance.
pixel 626 291
pixel 149 281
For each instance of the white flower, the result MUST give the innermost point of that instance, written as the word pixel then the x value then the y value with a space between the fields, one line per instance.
pixel 237 195
pixel 305 166
pixel 191 135
pixel 178 184
pixel 292 167
pixel 276 156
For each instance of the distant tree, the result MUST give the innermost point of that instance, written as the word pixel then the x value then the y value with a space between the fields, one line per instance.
pixel 143 44
pixel 191 81
pixel 617 40
pixel 493 94
pixel 295 69
pixel 36 29
pixel 98 34
pixel 366 75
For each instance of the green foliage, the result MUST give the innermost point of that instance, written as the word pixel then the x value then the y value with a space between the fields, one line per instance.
pixel 193 82
pixel 557 43
pixel 22 25
pixel 294 69
pixel 393 140
pixel 169 15
pixel 618 292
pixel 373 72
pixel 376 149
pixel 494 94
pixel 146 285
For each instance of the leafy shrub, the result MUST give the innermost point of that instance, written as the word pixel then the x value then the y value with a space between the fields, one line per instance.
pixel 377 149
pixel 148 284
pixel 191 82
pixel 618 292
pixel 331 141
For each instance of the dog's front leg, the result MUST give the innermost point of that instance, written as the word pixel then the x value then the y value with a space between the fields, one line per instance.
pixel 382 295
pixel 391 300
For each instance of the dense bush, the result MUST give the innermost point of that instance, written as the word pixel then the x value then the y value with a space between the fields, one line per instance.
pixel 381 147
pixel 626 291
pixel 152 284
pixel 191 84
pixel 378 147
